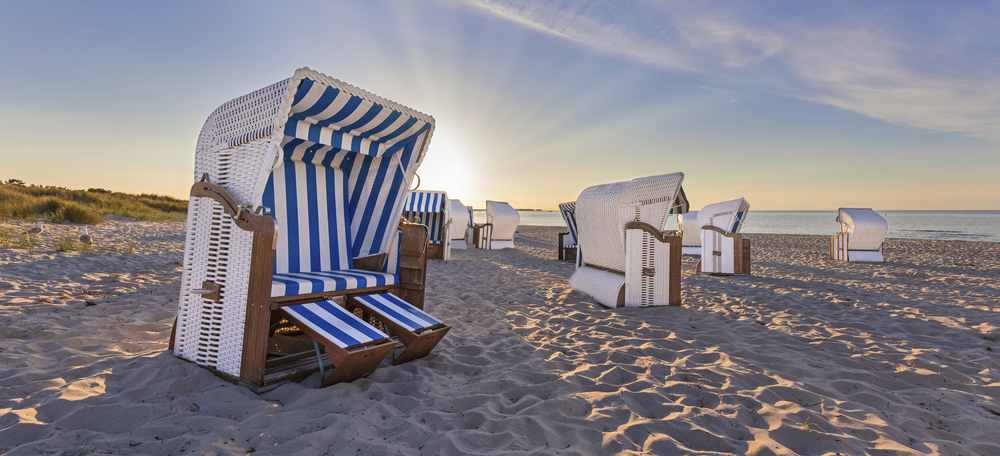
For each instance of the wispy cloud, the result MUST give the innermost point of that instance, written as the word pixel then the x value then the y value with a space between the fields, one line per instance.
pixel 922 68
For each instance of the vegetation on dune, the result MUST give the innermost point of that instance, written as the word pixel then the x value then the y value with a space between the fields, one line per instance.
pixel 57 204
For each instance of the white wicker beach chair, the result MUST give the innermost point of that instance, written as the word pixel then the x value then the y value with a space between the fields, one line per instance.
pixel 501 224
pixel 432 209
pixel 567 241
pixel 690 233
pixel 628 260
pixel 723 249
pixel 327 167
pixel 462 226
pixel 861 237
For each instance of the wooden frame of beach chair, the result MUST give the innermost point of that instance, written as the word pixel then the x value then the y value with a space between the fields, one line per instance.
pixel 629 260
pixel 462 227
pixel 723 249
pixel 861 237
pixel 433 209
pixel 327 165
pixel 501 225
pixel 567 245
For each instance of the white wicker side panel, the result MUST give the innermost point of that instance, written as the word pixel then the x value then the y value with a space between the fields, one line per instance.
pixel 601 285
pixel 647 269
pixel 717 254
pixel 600 225
pixel 185 338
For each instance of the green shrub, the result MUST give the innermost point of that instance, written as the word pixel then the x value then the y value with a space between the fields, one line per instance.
pixel 79 214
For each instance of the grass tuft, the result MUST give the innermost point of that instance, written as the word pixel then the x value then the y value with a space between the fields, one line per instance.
pixel 65 242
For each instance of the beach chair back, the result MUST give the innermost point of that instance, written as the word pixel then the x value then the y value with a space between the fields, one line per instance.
pixel 433 209
pixel 504 220
pixel 729 216
pixel 865 228
pixel 568 211
pixel 690 229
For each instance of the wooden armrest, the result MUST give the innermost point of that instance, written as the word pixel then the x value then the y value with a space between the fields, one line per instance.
pixel 243 219
pixel 720 231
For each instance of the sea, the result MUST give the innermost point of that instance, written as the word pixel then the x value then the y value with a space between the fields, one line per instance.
pixel 950 225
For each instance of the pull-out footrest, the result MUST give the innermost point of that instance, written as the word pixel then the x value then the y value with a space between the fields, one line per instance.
pixel 417 330
pixel 354 347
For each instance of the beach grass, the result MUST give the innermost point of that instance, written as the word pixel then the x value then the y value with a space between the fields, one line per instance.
pixel 57 204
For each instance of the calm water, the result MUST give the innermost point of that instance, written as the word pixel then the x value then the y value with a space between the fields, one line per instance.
pixel 954 225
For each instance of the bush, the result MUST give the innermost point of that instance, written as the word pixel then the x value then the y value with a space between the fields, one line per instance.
pixel 79 214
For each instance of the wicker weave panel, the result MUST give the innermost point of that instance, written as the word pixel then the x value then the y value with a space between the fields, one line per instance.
pixel 601 285
pixel 724 262
pixel 867 229
pixel 647 274
pixel 602 211
pixel 724 215
pixel 504 218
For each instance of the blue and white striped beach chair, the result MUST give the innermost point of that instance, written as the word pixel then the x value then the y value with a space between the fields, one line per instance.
pixel 301 190
pixel 433 210
pixel 568 241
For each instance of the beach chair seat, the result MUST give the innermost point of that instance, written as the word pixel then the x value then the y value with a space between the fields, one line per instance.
pixel 417 330
pixel 354 347
pixel 300 283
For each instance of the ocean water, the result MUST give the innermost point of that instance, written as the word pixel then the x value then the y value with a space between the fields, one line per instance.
pixel 951 225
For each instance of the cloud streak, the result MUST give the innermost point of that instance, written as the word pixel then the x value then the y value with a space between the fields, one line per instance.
pixel 933 70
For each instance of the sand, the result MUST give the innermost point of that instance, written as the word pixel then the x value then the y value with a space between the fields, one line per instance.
pixel 807 357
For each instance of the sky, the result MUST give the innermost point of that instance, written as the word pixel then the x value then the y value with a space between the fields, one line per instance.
pixel 892 105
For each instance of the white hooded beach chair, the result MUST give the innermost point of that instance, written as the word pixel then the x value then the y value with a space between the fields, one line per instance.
pixel 690 233
pixel 462 226
pixel 501 224
pixel 861 237
pixel 298 204
pixel 628 260
pixel 432 209
pixel 723 249
pixel 568 241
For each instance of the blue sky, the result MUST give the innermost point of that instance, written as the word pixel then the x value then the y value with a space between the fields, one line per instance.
pixel 792 105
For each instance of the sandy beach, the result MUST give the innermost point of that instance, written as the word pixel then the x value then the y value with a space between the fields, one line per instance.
pixel 808 356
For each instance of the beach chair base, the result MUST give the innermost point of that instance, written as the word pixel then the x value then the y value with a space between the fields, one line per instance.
pixel 417 331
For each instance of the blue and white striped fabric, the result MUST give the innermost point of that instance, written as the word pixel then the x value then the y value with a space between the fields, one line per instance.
pixel 334 323
pixel 392 261
pixel 325 115
pixel 429 207
pixel 399 311
pixel 375 146
pixel 568 211
pixel 309 201
pixel 471 223
pixel 681 203
pixel 327 281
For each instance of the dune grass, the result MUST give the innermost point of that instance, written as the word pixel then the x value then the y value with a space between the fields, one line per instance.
pixel 57 204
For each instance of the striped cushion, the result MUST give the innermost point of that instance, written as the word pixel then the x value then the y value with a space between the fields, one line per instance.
pixel 316 282
pixel 399 311
pixel 310 204
pixel 334 323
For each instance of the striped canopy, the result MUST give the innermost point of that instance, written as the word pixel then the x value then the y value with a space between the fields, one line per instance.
pixel 328 116
pixel 681 203
pixel 426 202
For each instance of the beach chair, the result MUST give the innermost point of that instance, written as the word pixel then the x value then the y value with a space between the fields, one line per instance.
pixel 500 227
pixel 297 204
pixel 629 260
pixel 433 209
pixel 568 241
pixel 690 233
pixel 462 226
pixel 861 237
pixel 723 249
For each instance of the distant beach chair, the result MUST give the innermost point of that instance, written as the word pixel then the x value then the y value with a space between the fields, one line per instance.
pixel 629 261
pixel 690 233
pixel 462 226
pixel 499 230
pixel 568 241
pixel 861 237
pixel 432 209
pixel 327 167
pixel 723 249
